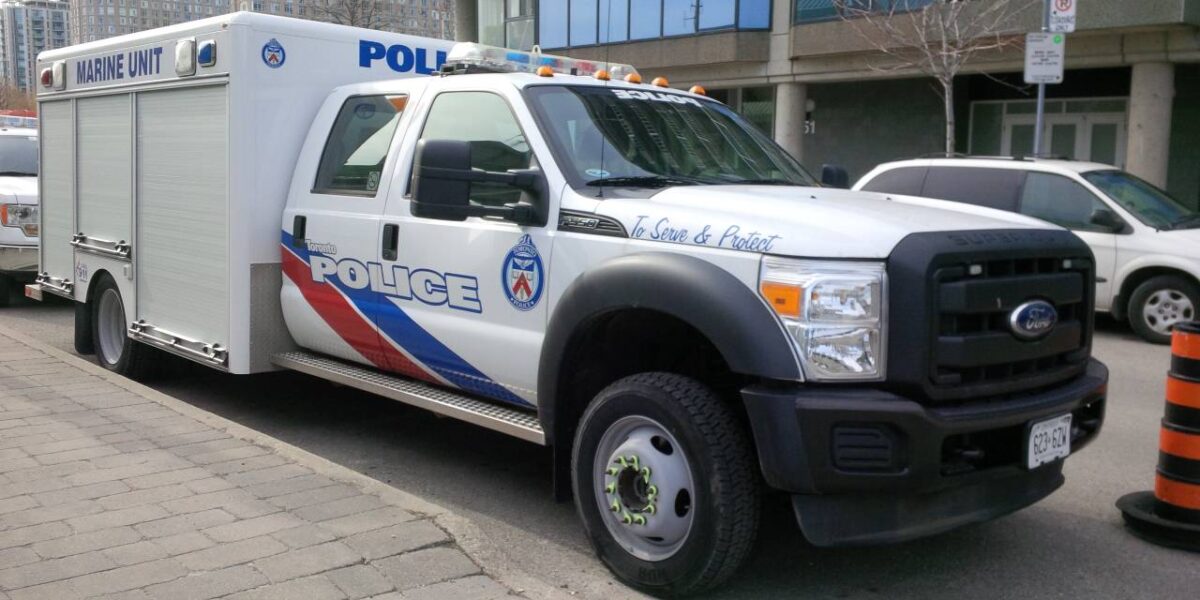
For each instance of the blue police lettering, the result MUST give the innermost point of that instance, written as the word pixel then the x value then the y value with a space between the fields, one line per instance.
pixel 399 58
pixel 460 292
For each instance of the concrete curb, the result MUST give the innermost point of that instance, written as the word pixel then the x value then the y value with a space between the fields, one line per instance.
pixel 477 546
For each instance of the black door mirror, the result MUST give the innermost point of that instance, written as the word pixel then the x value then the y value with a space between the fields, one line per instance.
pixel 440 191
pixel 442 186
pixel 1107 220
pixel 835 176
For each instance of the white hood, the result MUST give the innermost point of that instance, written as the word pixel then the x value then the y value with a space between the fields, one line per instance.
pixel 25 189
pixel 797 221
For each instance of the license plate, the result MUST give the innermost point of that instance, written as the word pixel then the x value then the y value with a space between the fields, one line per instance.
pixel 1048 441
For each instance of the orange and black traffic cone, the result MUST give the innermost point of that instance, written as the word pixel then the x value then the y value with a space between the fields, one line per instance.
pixel 1170 515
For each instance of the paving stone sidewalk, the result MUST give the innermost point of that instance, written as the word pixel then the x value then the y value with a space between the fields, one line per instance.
pixel 107 492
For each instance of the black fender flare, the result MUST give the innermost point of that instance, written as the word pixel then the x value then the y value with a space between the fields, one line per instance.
pixel 710 299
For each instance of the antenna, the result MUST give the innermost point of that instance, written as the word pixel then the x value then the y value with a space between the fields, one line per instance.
pixel 607 67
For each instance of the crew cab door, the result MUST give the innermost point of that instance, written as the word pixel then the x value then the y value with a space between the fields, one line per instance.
pixel 331 232
pixel 473 311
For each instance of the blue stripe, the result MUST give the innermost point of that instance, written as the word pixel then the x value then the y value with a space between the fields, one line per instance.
pixel 400 327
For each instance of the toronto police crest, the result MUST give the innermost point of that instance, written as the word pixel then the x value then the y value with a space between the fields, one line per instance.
pixel 273 54
pixel 522 274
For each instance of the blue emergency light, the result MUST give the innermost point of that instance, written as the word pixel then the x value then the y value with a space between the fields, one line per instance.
pixel 206 55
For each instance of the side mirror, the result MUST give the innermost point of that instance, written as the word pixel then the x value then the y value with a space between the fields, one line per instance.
pixel 835 176
pixel 1107 219
pixel 439 189
pixel 442 186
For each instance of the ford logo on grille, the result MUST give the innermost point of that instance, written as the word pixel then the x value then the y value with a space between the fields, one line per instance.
pixel 1033 320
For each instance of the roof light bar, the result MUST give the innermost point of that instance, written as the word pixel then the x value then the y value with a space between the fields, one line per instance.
pixel 492 58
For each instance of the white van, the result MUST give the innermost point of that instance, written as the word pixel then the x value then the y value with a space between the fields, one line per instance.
pixel 18 209
pixel 1147 244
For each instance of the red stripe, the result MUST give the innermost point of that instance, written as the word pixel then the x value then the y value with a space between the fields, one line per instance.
pixel 337 311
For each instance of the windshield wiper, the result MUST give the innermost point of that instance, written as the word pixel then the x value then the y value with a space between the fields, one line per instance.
pixel 17 174
pixel 762 181
pixel 651 181
pixel 1188 220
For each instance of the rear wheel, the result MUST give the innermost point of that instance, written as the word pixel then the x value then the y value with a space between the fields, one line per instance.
pixel 114 349
pixel 1159 303
pixel 666 484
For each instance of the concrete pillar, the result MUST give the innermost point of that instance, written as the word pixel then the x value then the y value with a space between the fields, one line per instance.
pixel 791 106
pixel 466 20
pixel 1152 93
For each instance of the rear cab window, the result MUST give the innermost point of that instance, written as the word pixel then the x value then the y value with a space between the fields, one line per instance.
pixel 353 160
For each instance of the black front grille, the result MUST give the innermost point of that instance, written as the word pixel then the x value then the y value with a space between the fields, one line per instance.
pixel 975 344
pixel 952 296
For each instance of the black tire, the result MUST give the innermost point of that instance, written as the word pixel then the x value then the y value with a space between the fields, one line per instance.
pixel 84 344
pixel 1149 291
pixel 726 506
pixel 7 290
pixel 134 359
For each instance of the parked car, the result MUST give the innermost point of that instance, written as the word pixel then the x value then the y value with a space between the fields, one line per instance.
pixel 18 209
pixel 1147 244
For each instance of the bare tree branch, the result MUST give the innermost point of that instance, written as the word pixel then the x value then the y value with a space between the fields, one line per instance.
pixel 357 13
pixel 935 37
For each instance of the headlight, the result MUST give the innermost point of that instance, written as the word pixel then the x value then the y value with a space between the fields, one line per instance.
pixel 834 311
pixel 25 216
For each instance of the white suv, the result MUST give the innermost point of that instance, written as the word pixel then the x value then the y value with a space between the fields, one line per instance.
pixel 18 209
pixel 1147 244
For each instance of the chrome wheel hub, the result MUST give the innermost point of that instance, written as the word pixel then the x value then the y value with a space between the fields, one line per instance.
pixel 1165 308
pixel 644 488
pixel 110 326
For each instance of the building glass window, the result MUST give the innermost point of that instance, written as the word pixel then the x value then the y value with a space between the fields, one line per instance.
pixel 491 22
pixel 584 14
pixel 649 22
pixel 568 23
pixel 679 17
pixel 824 10
pixel 614 21
pixel 552 24
pixel 717 14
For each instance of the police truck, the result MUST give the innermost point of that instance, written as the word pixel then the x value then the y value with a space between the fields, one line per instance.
pixel 561 251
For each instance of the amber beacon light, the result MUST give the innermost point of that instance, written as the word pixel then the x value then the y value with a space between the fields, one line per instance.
pixel 1170 515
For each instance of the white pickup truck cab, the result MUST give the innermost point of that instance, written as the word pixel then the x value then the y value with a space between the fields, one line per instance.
pixel 18 209
pixel 549 248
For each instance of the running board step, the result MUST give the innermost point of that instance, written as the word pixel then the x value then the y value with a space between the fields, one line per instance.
pixel 512 421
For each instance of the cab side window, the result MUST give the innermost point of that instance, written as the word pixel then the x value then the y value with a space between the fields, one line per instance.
pixel 1059 200
pixel 906 181
pixel 992 188
pixel 484 120
pixel 352 162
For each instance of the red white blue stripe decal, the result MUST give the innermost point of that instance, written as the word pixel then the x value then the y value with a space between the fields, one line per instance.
pixel 383 333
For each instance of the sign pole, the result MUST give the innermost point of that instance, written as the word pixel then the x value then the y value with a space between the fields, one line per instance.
pixel 1040 123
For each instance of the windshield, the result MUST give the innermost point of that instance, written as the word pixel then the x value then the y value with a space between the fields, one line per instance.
pixel 1149 204
pixel 615 136
pixel 18 155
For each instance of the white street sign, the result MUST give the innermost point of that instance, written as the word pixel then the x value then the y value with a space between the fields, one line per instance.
pixel 1044 57
pixel 1062 15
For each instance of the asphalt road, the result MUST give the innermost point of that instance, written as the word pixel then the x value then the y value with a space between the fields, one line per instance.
pixel 1071 545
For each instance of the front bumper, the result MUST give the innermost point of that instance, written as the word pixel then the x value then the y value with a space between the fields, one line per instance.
pixel 867 466
pixel 19 262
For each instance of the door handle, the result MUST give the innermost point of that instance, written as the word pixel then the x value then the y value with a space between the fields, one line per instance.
pixel 299 225
pixel 391 240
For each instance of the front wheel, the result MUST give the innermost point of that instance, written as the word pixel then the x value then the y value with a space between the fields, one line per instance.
pixel 666 484
pixel 1159 303
pixel 114 349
